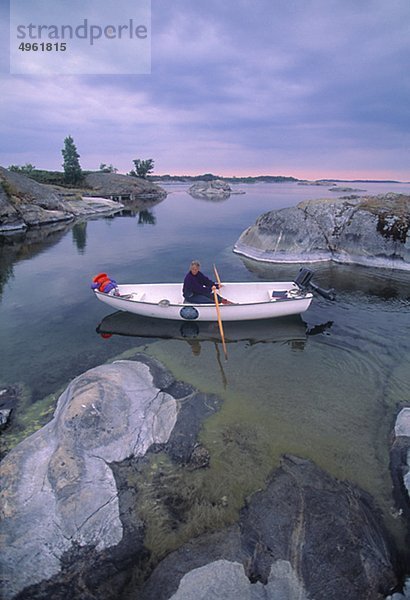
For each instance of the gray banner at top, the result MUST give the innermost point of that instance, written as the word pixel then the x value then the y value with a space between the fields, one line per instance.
pixel 80 38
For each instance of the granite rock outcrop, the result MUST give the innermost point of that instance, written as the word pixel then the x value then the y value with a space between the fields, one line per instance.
pixel 400 461
pixel 370 230
pixel 72 520
pixel 25 203
pixel 66 507
pixel 124 187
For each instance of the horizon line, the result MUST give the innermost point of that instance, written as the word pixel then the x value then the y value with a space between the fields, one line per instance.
pixel 347 179
pixel 324 179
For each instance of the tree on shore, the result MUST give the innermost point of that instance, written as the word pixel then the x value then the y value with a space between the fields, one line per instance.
pixel 142 167
pixel 71 164
pixel 26 169
pixel 107 168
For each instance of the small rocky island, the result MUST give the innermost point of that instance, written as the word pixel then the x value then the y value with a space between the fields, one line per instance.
pixel 369 230
pixel 72 522
pixel 215 190
pixel 25 203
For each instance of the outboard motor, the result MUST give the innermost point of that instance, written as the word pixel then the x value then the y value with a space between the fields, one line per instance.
pixel 304 283
pixel 303 279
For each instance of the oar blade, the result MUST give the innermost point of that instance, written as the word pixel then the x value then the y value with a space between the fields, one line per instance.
pixel 221 329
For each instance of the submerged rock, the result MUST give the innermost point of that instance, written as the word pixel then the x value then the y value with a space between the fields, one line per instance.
pixel 370 231
pixel 305 536
pixel 8 401
pixel 4 417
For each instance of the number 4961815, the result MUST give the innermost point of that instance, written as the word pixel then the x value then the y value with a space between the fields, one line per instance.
pixel 43 47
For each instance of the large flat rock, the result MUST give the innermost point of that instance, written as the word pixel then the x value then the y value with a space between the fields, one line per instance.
pixel 369 231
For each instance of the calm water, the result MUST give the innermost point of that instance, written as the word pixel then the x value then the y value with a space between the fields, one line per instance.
pixel 326 387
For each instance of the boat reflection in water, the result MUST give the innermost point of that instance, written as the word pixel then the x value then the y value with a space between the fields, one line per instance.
pixel 280 329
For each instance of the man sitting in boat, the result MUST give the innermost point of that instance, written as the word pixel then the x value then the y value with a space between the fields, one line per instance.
pixel 198 288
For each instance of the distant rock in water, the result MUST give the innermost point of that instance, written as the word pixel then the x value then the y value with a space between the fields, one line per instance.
pixel 345 190
pixel 371 230
pixel 210 190
pixel 323 183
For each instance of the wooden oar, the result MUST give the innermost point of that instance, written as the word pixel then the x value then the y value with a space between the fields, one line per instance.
pixel 218 279
pixel 218 359
pixel 221 329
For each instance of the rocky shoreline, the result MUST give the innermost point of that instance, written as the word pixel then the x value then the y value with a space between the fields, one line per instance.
pixel 77 506
pixel 26 204
pixel 370 231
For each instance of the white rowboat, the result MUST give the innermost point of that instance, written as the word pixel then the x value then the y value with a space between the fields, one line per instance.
pixel 251 300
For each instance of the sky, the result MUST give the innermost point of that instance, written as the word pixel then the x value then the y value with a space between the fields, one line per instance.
pixel 305 88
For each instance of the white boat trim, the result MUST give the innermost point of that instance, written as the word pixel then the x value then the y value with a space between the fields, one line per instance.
pixel 169 302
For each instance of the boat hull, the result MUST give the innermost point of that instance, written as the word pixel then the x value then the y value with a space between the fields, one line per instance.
pixel 260 300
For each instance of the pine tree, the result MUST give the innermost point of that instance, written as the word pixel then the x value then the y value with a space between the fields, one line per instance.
pixel 72 170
